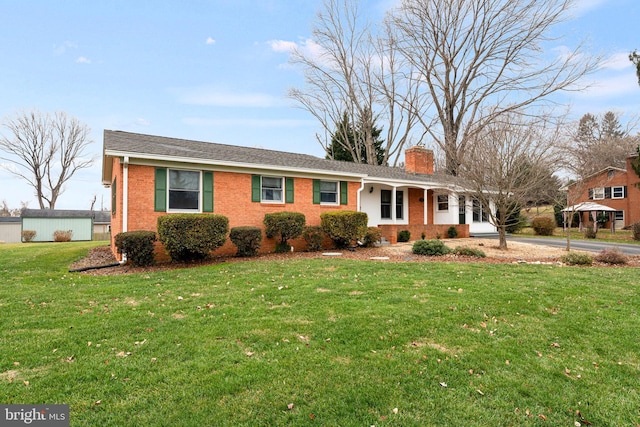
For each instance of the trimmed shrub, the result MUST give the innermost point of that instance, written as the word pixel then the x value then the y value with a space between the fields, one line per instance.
pixel 286 225
pixel 344 227
pixel 188 237
pixel 430 247
pixel 543 225
pixel 62 235
pixel 611 256
pixel 590 232
pixel 28 235
pixel 466 251
pixel 635 231
pixel 246 239
pixel 574 258
pixel 137 245
pixel 314 236
pixel 373 237
pixel 452 232
pixel 404 236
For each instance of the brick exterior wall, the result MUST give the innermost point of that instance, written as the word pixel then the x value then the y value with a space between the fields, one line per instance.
pixel 232 198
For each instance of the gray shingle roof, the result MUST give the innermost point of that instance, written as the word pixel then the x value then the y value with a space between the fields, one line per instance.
pixel 139 144
pixel 98 216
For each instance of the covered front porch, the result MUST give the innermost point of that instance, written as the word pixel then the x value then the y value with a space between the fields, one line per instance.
pixel 426 212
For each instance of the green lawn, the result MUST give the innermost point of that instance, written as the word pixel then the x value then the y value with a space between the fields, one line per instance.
pixel 324 342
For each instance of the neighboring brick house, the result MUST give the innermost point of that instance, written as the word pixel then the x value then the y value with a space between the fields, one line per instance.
pixel 151 176
pixel 613 187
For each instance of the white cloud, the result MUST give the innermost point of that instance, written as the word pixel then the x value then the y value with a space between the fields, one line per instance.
pixel 583 7
pixel 617 61
pixel 282 46
pixel 610 86
pixel 214 97
pixel 62 48
pixel 142 122
pixel 83 60
pixel 210 41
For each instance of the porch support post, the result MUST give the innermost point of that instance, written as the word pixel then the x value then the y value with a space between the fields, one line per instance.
pixel 426 206
pixel 393 205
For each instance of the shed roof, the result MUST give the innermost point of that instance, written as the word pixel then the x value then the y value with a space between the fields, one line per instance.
pixel 10 219
pixel 98 216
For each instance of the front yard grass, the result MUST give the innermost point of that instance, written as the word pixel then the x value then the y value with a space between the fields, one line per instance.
pixel 325 342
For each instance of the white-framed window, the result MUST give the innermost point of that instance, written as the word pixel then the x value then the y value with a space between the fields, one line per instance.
pixel 617 192
pixel 619 216
pixel 479 212
pixel 598 193
pixel 184 190
pixel 442 202
pixel 271 189
pixel 329 192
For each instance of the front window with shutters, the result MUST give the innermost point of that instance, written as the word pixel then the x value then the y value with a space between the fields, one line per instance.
pixel 329 192
pixel 271 189
pixel 184 190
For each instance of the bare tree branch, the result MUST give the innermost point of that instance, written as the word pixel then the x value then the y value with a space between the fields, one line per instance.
pixel 45 151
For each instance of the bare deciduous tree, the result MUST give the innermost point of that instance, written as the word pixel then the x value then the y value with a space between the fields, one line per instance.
pixel 479 59
pixel 353 72
pixel 599 142
pixel 45 150
pixel 505 163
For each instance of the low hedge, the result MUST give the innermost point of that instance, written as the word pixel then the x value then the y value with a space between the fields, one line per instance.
pixel 314 236
pixel 286 226
pixel 344 227
pixel 188 237
pixel 137 245
pixel 246 239
pixel 430 247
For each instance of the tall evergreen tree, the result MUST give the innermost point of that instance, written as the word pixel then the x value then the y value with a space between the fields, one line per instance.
pixel 347 143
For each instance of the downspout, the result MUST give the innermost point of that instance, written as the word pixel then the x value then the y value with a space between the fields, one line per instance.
pixel 358 197
pixel 125 200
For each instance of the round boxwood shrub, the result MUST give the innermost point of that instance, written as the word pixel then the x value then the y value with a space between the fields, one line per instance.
pixel 574 258
pixel 137 245
pixel 344 227
pixel 430 247
pixel 314 236
pixel 543 225
pixel 189 237
pixel 452 232
pixel 404 236
pixel 286 226
pixel 246 239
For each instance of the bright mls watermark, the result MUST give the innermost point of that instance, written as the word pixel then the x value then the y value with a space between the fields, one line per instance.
pixel 34 415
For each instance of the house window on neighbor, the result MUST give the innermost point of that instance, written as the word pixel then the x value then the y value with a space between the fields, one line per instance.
pixel 479 212
pixel 385 204
pixel 184 190
pixel 619 216
pixel 329 192
pixel 271 189
pixel 617 192
pixel 598 193
pixel 443 202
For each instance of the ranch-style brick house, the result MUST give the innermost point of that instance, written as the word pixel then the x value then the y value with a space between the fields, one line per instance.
pixel 150 176
pixel 613 187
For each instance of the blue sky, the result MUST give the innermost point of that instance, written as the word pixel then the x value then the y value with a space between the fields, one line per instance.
pixel 216 70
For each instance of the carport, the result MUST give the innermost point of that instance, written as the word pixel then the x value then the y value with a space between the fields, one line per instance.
pixel 594 209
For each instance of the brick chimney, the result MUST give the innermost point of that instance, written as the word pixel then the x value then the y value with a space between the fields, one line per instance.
pixel 418 159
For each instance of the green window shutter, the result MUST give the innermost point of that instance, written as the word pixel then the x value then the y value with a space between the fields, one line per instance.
pixel 207 191
pixel 288 190
pixel 255 188
pixel 344 192
pixel 316 191
pixel 114 199
pixel 160 200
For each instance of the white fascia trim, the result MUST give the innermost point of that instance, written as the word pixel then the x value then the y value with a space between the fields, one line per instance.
pixel 151 159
